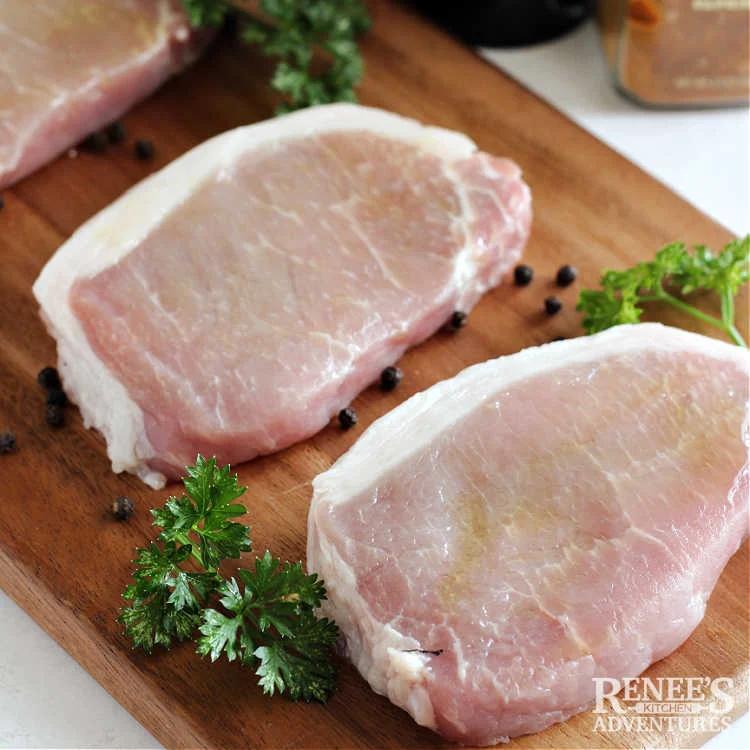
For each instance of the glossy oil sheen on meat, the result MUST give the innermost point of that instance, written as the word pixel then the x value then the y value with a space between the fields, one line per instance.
pixel 538 521
pixel 67 67
pixel 296 260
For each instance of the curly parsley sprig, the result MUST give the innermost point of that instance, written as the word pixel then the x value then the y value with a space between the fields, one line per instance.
pixel 266 618
pixel 296 30
pixel 274 598
pixel 674 269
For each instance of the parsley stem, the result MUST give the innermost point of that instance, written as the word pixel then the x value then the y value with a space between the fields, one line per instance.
pixel 726 325
pixel 185 539
pixel 727 315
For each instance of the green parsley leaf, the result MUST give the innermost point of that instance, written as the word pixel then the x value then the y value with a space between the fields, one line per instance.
pixel 206 12
pixel 273 626
pixel 202 516
pixel 297 29
pixel 166 600
pixel 673 269
pixel 221 635
pixel 725 272
pixel 300 665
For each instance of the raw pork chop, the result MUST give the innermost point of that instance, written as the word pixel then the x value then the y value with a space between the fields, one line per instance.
pixel 537 521
pixel 236 300
pixel 70 66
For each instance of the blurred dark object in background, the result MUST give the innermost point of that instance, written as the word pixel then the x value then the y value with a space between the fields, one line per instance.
pixel 506 23
pixel 678 53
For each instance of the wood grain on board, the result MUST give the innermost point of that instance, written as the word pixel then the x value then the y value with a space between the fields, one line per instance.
pixel 65 560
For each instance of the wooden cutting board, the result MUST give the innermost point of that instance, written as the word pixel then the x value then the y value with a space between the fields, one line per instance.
pixel 65 560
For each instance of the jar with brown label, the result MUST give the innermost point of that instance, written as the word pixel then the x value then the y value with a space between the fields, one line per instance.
pixel 678 53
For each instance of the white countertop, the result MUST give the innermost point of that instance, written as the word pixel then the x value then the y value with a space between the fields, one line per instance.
pixel 47 700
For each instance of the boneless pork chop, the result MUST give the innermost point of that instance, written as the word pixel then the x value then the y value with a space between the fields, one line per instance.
pixel 500 539
pixel 236 300
pixel 67 67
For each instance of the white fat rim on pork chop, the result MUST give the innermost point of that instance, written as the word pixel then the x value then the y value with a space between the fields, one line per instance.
pixel 406 431
pixel 114 232
pixel 409 428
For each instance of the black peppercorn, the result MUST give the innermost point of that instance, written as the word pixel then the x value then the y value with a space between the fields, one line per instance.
pixel 347 417
pixel 95 143
pixel 54 415
pixel 57 397
pixel 116 132
pixel 523 275
pixel 7 442
pixel 566 275
pixel 122 508
pixel 552 305
pixel 2 203
pixel 390 378
pixel 231 25
pixel 458 320
pixel 143 149
pixel 48 377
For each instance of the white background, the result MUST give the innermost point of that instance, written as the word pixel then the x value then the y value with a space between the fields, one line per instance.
pixel 47 700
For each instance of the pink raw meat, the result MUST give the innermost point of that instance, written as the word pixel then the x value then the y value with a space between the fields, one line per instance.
pixel 235 301
pixel 68 67
pixel 535 522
